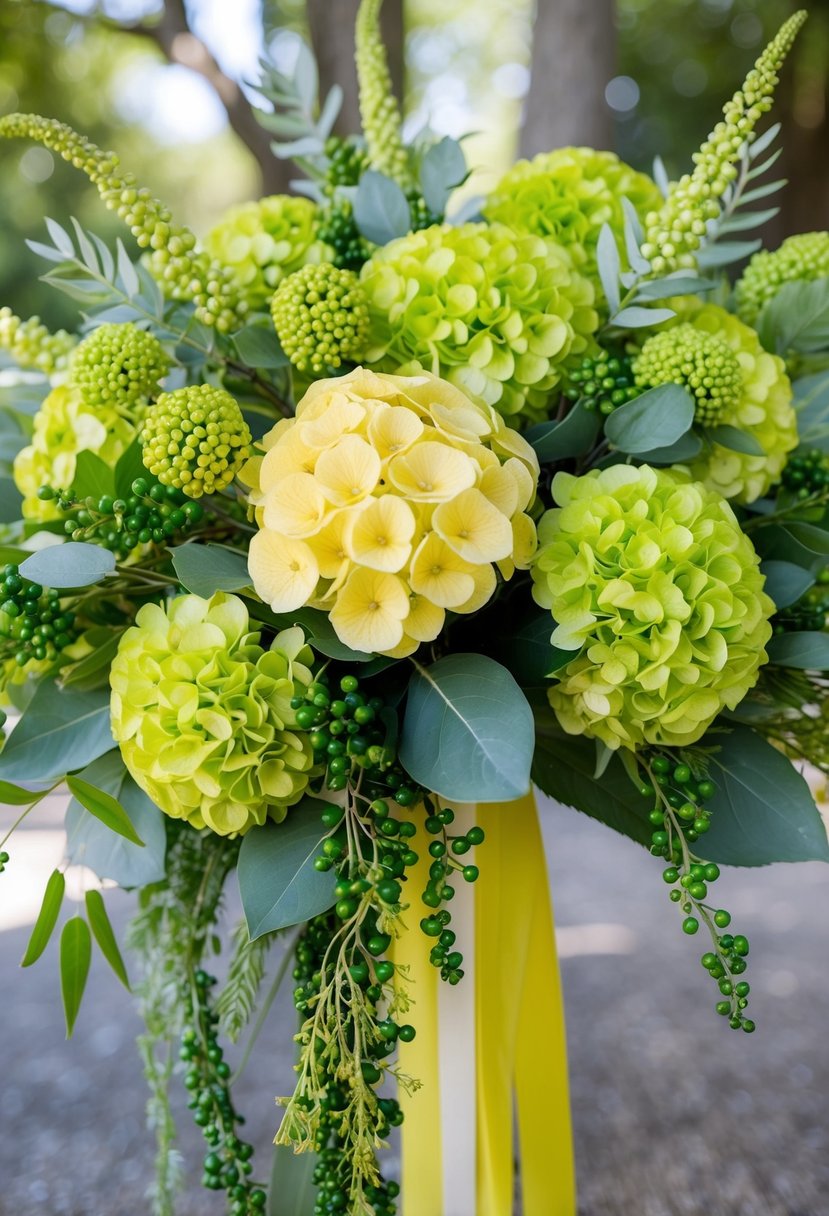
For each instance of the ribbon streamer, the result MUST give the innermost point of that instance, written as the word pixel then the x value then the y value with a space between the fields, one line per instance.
pixel 517 998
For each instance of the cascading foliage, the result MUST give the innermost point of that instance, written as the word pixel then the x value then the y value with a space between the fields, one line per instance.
pixel 356 514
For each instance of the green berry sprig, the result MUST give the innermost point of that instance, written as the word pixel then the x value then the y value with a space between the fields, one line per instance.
pixel 421 216
pixel 4 859
pixel 679 818
pixel 227 1164
pixel 347 161
pixel 810 612
pixel 603 382
pixel 807 474
pixel 32 619
pixel 337 227
pixel 446 852
pixel 151 514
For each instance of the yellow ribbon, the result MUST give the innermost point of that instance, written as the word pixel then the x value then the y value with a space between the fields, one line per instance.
pixel 520 1035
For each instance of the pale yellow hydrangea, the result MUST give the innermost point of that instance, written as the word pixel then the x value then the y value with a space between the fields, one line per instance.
pixel 388 502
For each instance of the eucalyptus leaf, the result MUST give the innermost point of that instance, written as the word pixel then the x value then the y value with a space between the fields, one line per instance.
pixel 805 649
pixel 442 169
pixel 292 1191
pixel 75 957
pixel 47 918
pixel 89 842
pixel 735 440
pixel 258 346
pixel 381 209
pixel 811 403
pixel 655 419
pixel 677 284
pixel 743 221
pixel 467 730
pixel 574 435
pixel 607 256
pixel 73 564
pixel 786 582
pixel 11 501
pixel 204 569
pixel 723 253
pixel 686 447
pixel 759 145
pixel 634 317
pixel 762 810
pixel 278 883
pixel 58 733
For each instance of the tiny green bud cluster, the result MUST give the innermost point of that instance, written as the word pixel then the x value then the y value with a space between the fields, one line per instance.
pixel 675 231
pixel 31 345
pixel 32 619
pixel 118 364
pixel 800 259
pixel 195 439
pixel 701 362
pixel 379 110
pixel 320 314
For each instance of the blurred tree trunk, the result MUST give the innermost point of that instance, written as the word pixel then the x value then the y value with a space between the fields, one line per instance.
pixel 331 23
pixel 573 58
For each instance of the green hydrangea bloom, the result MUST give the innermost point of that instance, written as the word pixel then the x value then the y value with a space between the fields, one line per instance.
pixel 64 426
pixel 202 713
pixel 705 364
pixel 320 314
pixel 118 364
pixel 497 314
pixel 658 592
pixel 800 259
pixel 568 195
pixel 265 240
pixel 195 439
pixel 31 344
pixel 762 408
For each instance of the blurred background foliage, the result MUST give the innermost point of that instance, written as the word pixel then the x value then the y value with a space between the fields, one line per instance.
pixel 159 83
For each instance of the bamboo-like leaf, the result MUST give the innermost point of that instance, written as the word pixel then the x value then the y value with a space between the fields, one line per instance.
pixel 75 957
pixel 102 930
pixel 47 918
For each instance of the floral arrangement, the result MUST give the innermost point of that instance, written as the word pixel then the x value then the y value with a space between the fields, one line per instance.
pixel 326 537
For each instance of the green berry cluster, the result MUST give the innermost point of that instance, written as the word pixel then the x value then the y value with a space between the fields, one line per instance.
pixel 118 364
pixel 673 233
pixel 800 259
pixel 4 858
pixel 32 619
pixel 320 314
pixel 195 439
pixel 31 344
pixel 336 226
pixel 679 817
pixel 603 382
pixel 331 1174
pixel 702 363
pixel 810 612
pixel 445 852
pixel 151 514
pixel 379 111
pixel 807 473
pixel 183 273
pixel 227 1164
pixel 421 216
pixel 347 160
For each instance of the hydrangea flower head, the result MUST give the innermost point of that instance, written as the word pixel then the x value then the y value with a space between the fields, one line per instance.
pixel 495 313
pixel 568 195
pixel 388 501
pixel 658 593
pixel 202 713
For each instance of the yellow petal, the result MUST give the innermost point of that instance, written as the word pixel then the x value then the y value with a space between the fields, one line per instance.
pixel 284 571
pixel 499 486
pixel 432 472
pixel 341 416
pixel 296 506
pixel 393 429
pixel 474 528
pixel 425 619
pixel 404 648
pixel 524 541
pixel 439 575
pixel 369 611
pixel 329 544
pixel 348 471
pixel 380 534
pixel 485 584
pixel 288 455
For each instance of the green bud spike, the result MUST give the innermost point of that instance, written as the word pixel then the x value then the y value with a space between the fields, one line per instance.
pixel 379 110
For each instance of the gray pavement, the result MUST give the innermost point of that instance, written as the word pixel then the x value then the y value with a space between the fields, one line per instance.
pixel 675 1115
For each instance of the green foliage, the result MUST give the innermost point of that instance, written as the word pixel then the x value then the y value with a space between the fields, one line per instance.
pixel 291 1191
pixel 245 973
pixel 763 810
pixel 277 880
pixel 204 569
pixel 72 564
pixel 59 732
pixel 467 705
pixel 47 918
pixel 654 420
pixel 785 582
pixel 574 435
pixel 75 957
pixel 105 808
pixel 797 318
pixel 804 648
pixel 381 209
pixel 442 168
pixel 811 402
pixel 101 927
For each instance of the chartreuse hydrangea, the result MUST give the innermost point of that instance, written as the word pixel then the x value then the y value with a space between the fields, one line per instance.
pixel 320 314
pixel 674 231
pixel 31 344
pixel 800 259
pixel 183 272
pixel 201 711
pixel 195 439
pixel 265 240
pixel 119 365
pixel 388 501
pixel 657 591
pixel 758 403
pixel 568 195
pixel 497 314
pixel 64 426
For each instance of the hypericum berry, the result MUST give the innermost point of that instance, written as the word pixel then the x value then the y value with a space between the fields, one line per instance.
pixel 347 159
pixel 195 439
pixel 118 364
pixel 806 473
pixel 603 382
pixel 701 362
pixel 320 314
pixel 336 226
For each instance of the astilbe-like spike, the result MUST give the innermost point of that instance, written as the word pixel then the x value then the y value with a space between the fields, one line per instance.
pixel 183 272
pixel 379 110
pixel 675 231
pixel 32 345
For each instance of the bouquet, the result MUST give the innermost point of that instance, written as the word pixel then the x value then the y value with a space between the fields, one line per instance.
pixel 326 536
